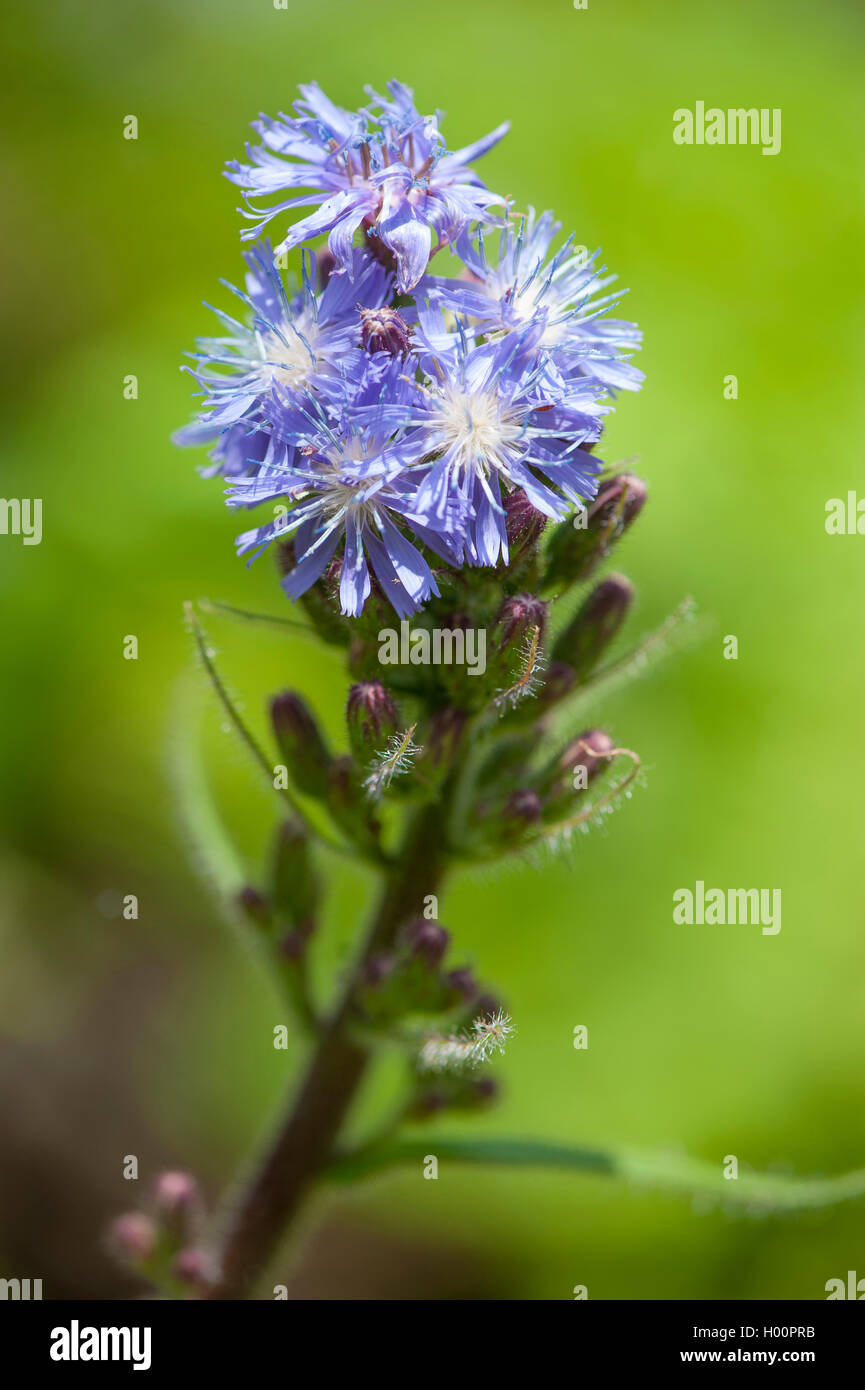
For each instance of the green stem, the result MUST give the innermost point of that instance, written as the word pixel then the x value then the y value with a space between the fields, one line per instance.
pixel 256 1219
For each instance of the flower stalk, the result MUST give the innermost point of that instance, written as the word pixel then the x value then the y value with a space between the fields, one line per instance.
pixel 427 447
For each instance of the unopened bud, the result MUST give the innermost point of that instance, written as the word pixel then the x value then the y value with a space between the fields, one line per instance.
pixel 484 1089
pixel 254 906
pixel 292 947
pixel 576 768
pixel 582 643
pixel 377 970
pixel 517 617
pixel 522 807
pixel 132 1237
pixel 427 941
pixel 523 523
pixel 175 1192
pixel 575 550
pixel 295 885
pixel 300 743
pixel 192 1267
pixel 587 752
pixel 486 1006
pixel 384 330
pixel 463 983
pixel 325 262
pixel 372 719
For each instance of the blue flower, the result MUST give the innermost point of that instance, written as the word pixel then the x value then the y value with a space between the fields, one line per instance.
pixel 521 284
pixel 496 414
pixel 385 168
pixel 287 343
pixel 350 484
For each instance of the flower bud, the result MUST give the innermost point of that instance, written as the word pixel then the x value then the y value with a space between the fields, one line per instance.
pixel 582 643
pixel 575 551
pixel 522 807
pixel 587 752
pixel 427 941
pixel 462 983
pixel 377 970
pixel 372 719
pixel 133 1237
pixel 175 1193
pixel 523 523
pixel 384 330
pixel 300 743
pixel 295 886
pixel 292 947
pixel 325 262
pixel 516 618
pixel 254 906
pixel 192 1267
pixel 576 768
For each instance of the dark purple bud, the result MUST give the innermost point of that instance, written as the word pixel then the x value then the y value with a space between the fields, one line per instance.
pixel 384 330
pixel 292 947
pixel 577 546
pixel 587 752
pixel 485 1089
pixel 254 906
pixel 325 262
pixel 522 807
pixel 582 643
pixel 377 970
pixel 516 618
pixel 427 941
pixel 523 523
pixel 428 1101
pixel 300 743
pixel 132 1237
pixel 372 719
pixel 486 1006
pixel 462 982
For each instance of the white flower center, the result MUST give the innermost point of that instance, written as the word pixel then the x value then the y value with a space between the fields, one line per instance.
pixel 481 429
pixel 288 361
pixel 341 493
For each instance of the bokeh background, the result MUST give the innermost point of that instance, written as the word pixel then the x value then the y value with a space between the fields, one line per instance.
pixel 153 1036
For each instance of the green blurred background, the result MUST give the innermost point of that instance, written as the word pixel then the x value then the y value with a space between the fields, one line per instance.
pixel 153 1036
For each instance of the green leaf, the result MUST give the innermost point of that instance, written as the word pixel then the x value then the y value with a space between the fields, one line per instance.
pixel 760 1192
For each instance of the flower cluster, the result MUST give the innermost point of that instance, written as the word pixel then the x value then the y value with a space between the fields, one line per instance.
pixel 387 414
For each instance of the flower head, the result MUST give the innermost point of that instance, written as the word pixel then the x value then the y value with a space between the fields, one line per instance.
pixel 345 483
pixel 385 168
pixel 510 291
pixel 286 343
pixel 492 421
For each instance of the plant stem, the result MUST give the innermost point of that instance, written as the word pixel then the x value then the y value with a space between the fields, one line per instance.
pixel 256 1219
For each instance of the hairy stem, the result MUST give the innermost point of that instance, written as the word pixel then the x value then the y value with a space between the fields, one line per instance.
pixel 257 1217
